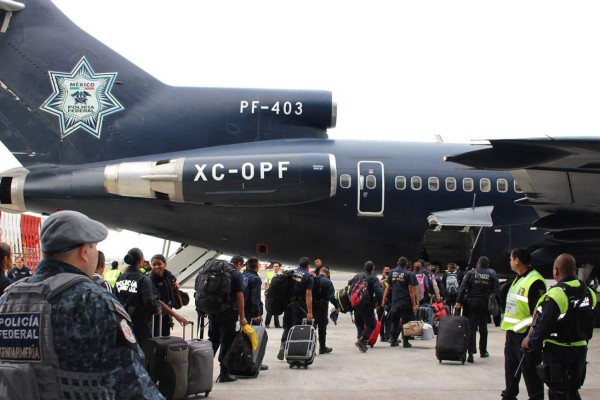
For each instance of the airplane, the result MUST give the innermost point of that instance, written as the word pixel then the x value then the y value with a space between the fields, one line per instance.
pixel 254 172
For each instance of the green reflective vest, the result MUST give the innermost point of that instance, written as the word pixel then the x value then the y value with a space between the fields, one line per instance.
pixel 111 276
pixel 517 316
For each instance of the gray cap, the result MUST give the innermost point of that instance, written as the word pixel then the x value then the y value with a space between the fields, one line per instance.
pixel 65 230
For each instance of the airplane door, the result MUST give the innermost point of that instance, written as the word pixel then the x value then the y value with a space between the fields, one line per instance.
pixel 371 188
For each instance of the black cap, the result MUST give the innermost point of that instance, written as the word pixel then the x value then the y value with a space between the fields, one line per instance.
pixel 66 230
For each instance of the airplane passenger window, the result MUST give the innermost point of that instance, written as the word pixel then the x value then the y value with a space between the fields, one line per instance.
pixel 371 182
pixel 468 184
pixel 400 182
pixel 345 181
pixel 517 187
pixel 434 183
pixel 451 184
pixel 415 183
pixel 502 185
pixel 485 185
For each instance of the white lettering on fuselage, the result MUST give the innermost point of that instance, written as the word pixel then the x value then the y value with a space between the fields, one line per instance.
pixel 247 170
pixel 279 107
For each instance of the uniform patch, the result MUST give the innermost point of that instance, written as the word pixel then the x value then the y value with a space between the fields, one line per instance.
pixel 127 332
pixel 20 337
pixel 81 98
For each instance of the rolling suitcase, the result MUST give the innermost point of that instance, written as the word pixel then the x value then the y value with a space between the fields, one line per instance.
pixel 301 345
pixel 167 363
pixel 375 335
pixel 452 339
pixel 200 372
pixel 257 355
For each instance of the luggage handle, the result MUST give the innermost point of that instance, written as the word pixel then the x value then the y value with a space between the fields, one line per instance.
pixel 159 325
pixel 192 334
pixel 305 322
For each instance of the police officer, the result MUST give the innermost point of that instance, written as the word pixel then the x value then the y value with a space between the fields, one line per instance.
pixel 523 295
pixel 19 271
pixel 323 293
pixel 222 326
pixel 136 293
pixel 300 306
pixel 364 315
pixel 253 305
pixel 564 323
pixel 403 285
pixel 476 288
pixel 95 343
pixel 270 275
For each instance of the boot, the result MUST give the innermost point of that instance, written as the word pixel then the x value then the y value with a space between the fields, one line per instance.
pixel 394 341
pixel 281 351
pixel 325 350
pixel 405 343
pixel 225 376
pixel 362 346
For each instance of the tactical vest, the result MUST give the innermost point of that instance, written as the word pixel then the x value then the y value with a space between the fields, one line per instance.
pixel 575 323
pixel 517 315
pixel 26 343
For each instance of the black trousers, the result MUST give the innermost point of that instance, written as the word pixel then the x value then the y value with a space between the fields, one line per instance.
pixel 321 320
pixel 364 319
pixel 221 331
pixel 275 317
pixel 512 357
pixel 478 318
pixel 397 313
pixel 572 362
pixel 293 315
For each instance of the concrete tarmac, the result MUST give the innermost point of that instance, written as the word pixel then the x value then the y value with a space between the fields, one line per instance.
pixel 382 372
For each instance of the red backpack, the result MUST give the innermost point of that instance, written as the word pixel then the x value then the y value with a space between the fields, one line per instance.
pixel 440 311
pixel 359 295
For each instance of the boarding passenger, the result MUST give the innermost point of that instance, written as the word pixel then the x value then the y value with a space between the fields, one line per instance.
pixel 475 290
pixel 425 288
pixel 5 263
pixel 136 293
pixel 99 271
pixel 452 283
pixel 364 315
pixel 92 352
pixel 252 301
pixel 323 293
pixel 563 325
pixel 112 275
pixel 222 326
pixel 166 287
pixel 19 271
pixel 523 295
pixel 403 286
pixel 270 275
pixel 383 312
pixel 300 306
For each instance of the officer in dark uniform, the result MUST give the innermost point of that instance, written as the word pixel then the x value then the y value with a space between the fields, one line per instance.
pixel 476 288
pixel 5 262
pixel 563 324
pixel 222 326
pixel 136 293
pixel 300 306
pixel 95 343
pixel 403 285
pixel 19 271
pixel 253 305
pixel 364 315
pixel 323 293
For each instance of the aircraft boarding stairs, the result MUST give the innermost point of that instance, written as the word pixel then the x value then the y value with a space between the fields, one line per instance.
pixel 456 233
pixel 187 260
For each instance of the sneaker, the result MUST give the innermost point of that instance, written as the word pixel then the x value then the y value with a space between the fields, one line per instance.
pixel 361 346
pixel 325 350
pixel 485 354
pixel 470 358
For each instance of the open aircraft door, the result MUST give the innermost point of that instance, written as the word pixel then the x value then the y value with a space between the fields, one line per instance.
pixel 371 188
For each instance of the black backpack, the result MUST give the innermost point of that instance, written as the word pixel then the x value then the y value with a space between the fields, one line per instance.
pixel 279 293
pixel 213 287
pixel 238 358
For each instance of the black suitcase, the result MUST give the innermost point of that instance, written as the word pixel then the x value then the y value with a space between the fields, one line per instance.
pixel 257 355
pixel 167 364
pixel 452 339
pixel 301 345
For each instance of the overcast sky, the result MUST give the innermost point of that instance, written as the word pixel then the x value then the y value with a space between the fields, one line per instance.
pixel 399 70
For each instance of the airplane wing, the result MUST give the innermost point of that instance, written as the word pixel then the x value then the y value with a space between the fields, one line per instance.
pixel 560 178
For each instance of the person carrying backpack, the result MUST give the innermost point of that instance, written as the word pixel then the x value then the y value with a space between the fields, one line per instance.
pixel 220 294
pixel 323 293
pixel 451 282
pixel 366 294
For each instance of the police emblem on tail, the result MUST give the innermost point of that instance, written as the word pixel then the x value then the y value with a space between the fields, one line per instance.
pixel 81 99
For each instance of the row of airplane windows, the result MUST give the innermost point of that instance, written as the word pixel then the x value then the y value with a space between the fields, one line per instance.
pixel 433 183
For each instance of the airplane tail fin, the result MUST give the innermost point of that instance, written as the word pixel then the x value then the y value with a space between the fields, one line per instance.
pixel 66 98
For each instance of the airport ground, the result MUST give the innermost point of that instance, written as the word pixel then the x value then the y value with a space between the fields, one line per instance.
pixel 381 373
